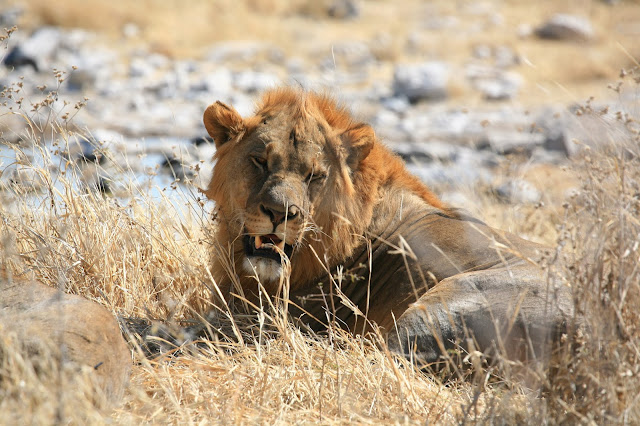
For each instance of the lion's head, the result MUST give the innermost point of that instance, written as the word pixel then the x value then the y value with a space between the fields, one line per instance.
pixel 295 184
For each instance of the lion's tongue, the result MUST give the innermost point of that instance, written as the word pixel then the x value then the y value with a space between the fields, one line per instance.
pixel 269 241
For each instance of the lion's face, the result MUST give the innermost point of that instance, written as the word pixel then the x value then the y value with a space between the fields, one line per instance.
pixel 284 167
pixel 274 179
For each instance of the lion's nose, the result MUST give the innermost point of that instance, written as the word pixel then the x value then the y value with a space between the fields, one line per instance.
pixel 278 215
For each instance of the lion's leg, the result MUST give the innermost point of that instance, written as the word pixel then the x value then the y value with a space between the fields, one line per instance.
pixel 512 311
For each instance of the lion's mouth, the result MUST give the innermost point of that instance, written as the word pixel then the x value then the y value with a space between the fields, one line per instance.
pixel 269 246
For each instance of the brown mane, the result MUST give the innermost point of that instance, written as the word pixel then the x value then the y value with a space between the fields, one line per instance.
pixel 381 165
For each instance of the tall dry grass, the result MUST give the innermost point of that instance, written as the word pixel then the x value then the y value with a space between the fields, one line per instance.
pixel 145 256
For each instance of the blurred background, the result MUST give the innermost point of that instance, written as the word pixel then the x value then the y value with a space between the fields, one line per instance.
pixel 458 88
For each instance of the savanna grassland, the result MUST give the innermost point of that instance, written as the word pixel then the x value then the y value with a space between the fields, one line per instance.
pixel 145 253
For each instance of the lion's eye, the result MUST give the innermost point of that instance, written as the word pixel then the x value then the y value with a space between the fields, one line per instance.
pixel 316 177
pixel 259 162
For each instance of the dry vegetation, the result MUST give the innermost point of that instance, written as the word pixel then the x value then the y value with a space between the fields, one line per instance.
pixel 146 257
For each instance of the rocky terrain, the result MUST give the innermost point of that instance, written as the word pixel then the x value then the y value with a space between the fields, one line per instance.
pixel 456 124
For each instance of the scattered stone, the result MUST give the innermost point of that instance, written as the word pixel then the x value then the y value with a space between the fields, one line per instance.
pixel 552 124
pixel 17 58
pixel 351 54
pixel 385 119
pixel 344 9
pixel 241 51
pixel 439 23
pixel 566 27
pixel 524 30
pixel 505 57
pixel 494 83
pixel 253 81
pixel 426 81
pixel 177 168
pixel 10 16
pixel 396 104
pixel 463 200
pixel 442 152
pixel 27 178
pixel 505 142
pixel 455 175
pixel 140 68
pixel 201 140
pixel 38 50
pixel 519 191
pixel 130 30
pixel 482 51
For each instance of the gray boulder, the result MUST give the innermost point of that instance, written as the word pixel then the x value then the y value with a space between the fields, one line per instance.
pixel 426 81
pixel 36 51
pixel 518 191
pixel 566 27
pixel 494 83
pixel 69 329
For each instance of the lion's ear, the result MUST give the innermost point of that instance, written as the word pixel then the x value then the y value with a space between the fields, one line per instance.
pixel 222 122
pixel 359 141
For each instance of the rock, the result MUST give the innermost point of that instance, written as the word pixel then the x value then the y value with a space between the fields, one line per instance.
pixel 494 83
pixel 502 86
pixel 10 16
pixel 73 331
pixel 553 124
pixel 508 142
pixel 464 200
pixel 27 178
pixel 518 191
pixel 344 9
pixel 351 54
pixel 566 27
pixel 482 51
pixel 130 30
pixel 455 175
pixel 295 65
pixel 397 104
pixel 201 140
pixel 254 81
pixel 17 58
pixel 217 83
pixel 242 51
pixel 505 57
pixel 37 50
pixel 567 132
pixel 524 30
pixel 426 152
pixel 385 119
pixel 140 68
pixel 440 23
pixel 426 81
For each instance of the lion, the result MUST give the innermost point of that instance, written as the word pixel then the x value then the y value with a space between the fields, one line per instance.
pixel 312 209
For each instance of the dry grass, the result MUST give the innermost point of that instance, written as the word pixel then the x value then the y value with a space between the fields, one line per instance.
pixel 147 257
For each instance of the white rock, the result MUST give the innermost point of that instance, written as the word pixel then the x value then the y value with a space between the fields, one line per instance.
pixel 254 81
pixel 566 27
pixel 421 81
pixel 519 191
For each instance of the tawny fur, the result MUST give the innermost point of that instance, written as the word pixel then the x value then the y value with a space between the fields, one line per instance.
pixel 343 217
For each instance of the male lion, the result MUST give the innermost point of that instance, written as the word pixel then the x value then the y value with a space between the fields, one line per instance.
pixel 313 209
